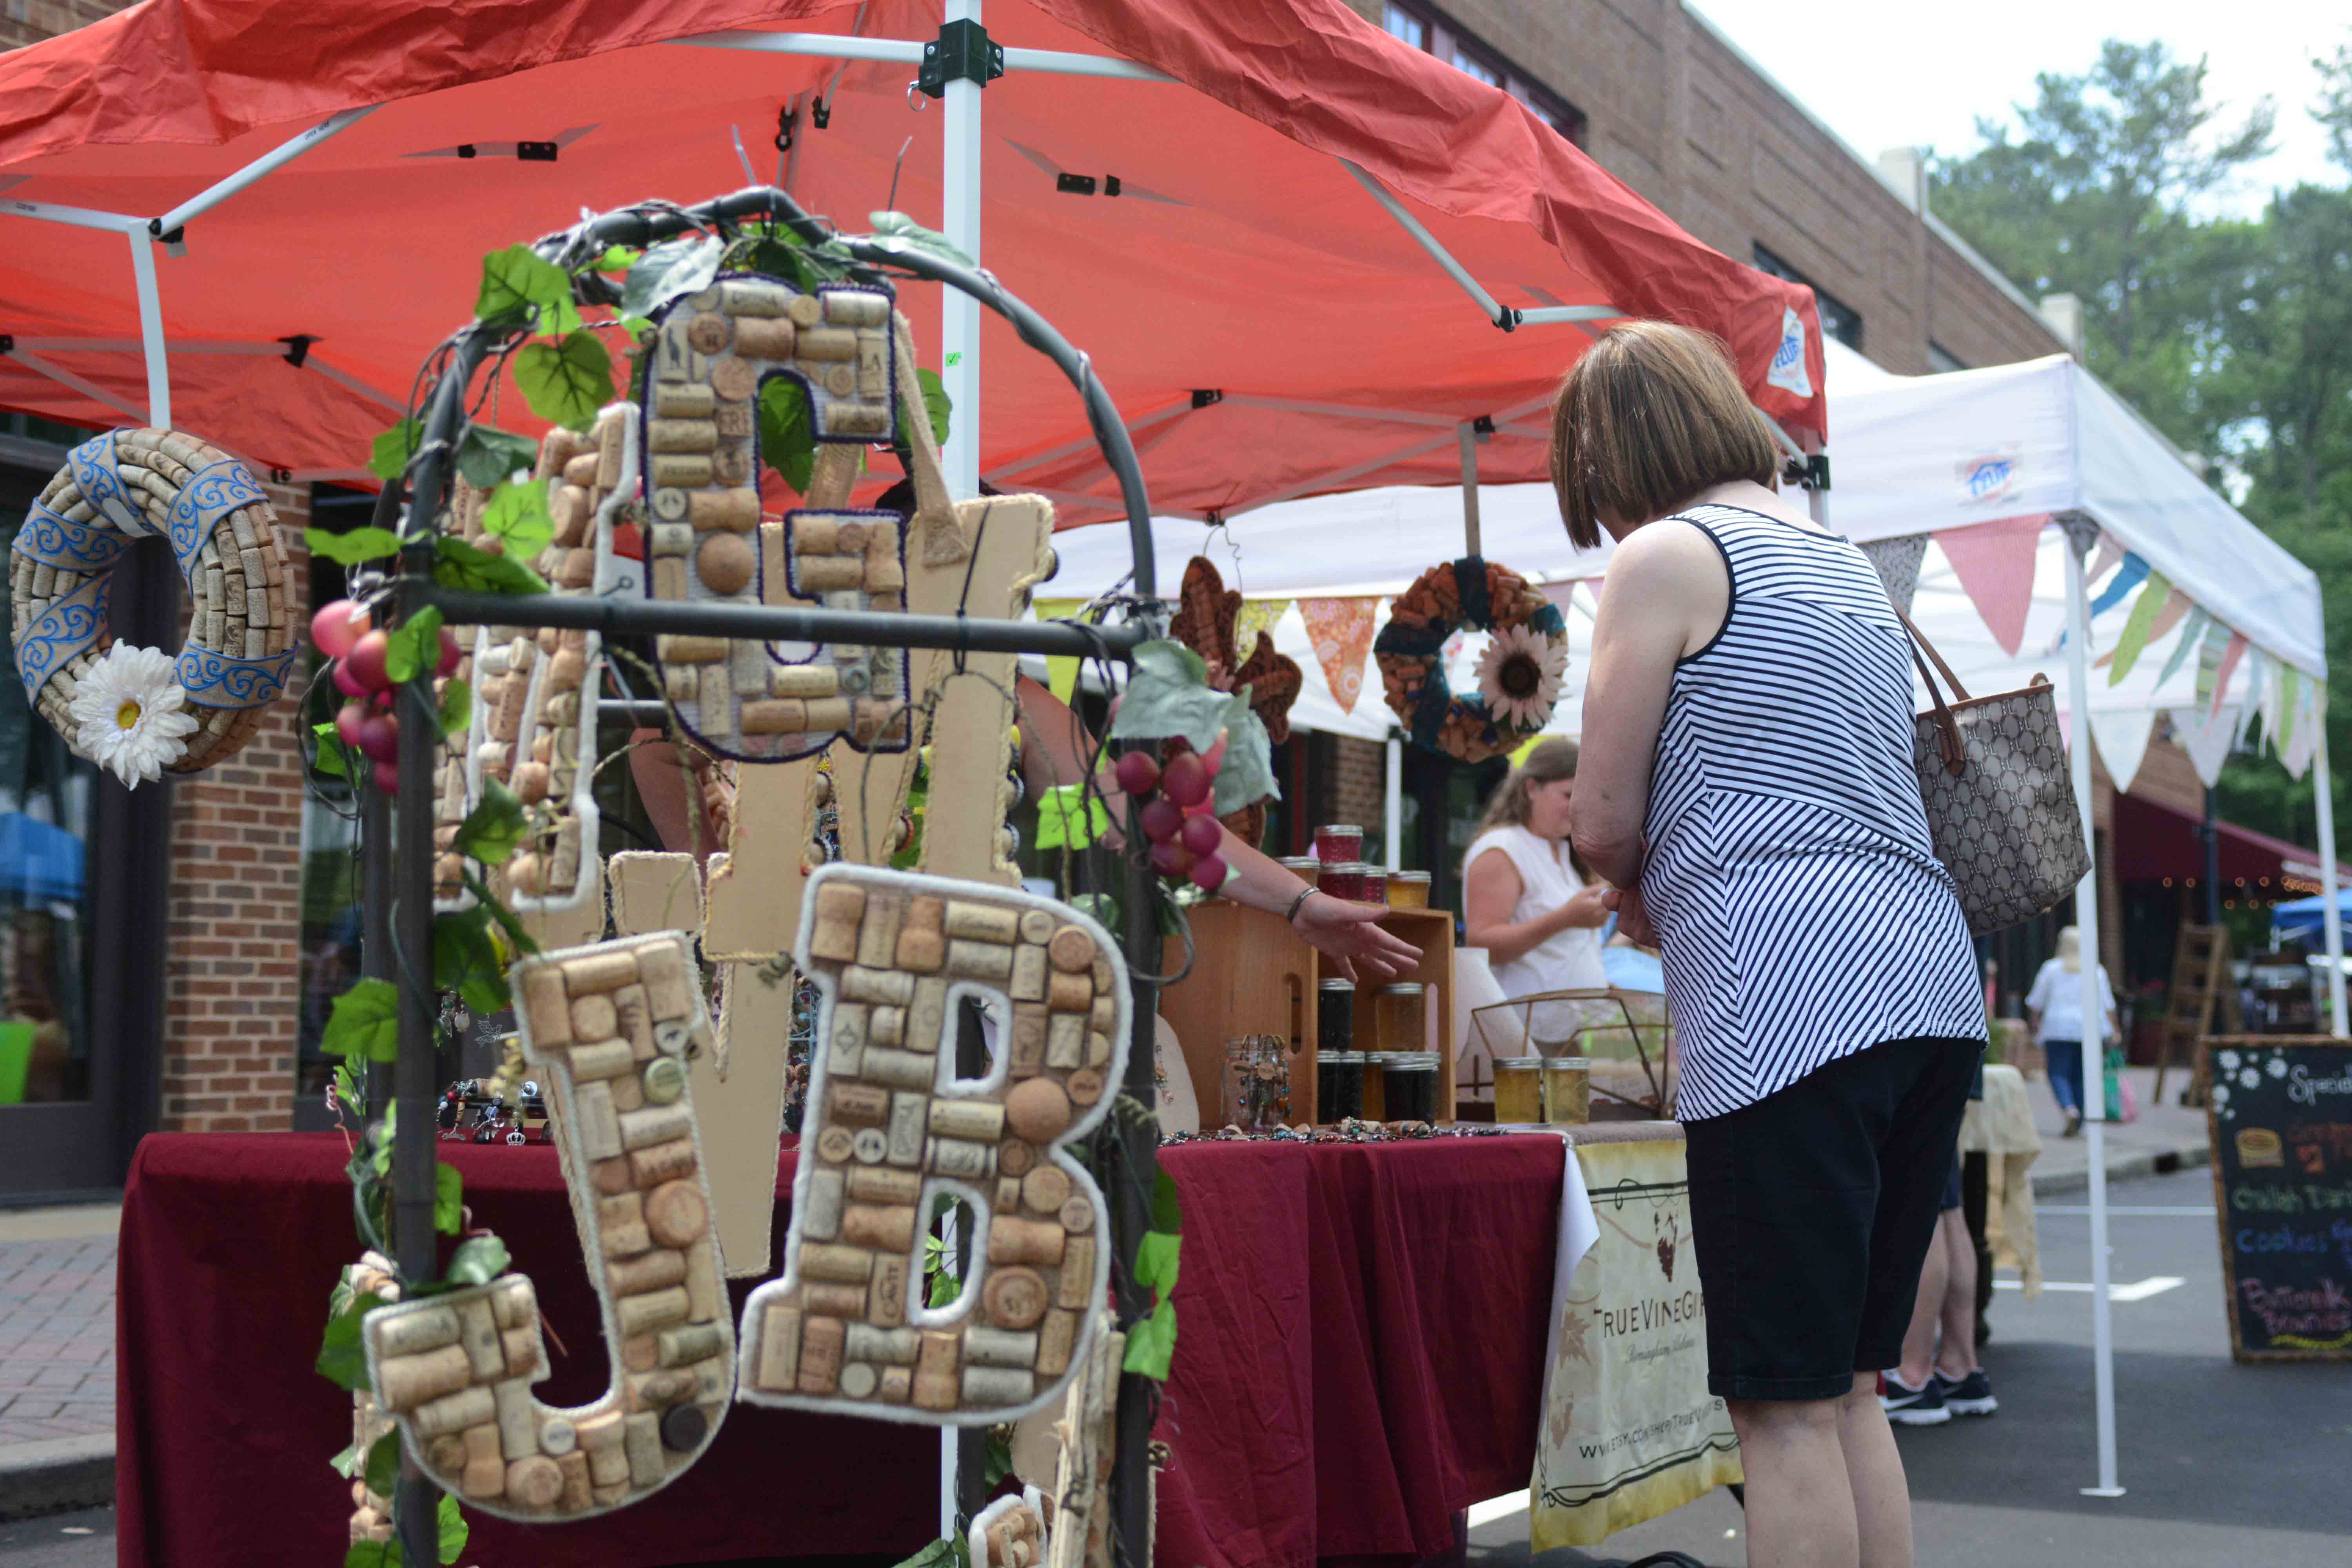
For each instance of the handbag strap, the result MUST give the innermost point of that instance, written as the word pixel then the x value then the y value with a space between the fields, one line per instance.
pixel 1956 756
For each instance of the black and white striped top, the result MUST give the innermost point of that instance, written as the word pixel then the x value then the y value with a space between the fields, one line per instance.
pixel 1802 912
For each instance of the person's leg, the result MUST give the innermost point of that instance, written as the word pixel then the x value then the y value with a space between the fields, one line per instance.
pixel 1957 1356
pixel 1874 1468
pixel 1926 1314
pixel 2063 1061
pixel 1799 1500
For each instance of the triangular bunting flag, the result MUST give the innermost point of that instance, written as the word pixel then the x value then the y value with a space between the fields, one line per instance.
pixel 1256 615
pixel 1061 669
pixel 2190 636
pixel 2122 738
pixel 1897 564
pixel 2262 694
pixel 2134 572
pixel 2206 738
pixel 2225 661
pixel 1342 633
pixel 2298 754
pixel 2290 702
pixel 2109 553
pixel 1994 563
pixel 2140 626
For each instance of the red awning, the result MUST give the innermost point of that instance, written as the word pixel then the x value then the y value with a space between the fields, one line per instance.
pixel 1240 257
pixel 2153 842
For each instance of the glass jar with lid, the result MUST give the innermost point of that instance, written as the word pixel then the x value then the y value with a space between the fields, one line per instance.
pixel 1408 890
pixel 1402 1018
pixel 1339 1086
pixel 1376 884
pixel 1338 841
pixel 1341 879
pixel 1335 1016
pixel 1408 1085
pixel 1518 1090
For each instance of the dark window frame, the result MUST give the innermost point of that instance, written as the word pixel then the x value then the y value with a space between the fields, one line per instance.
pixel 1443 36
pixel 1839 320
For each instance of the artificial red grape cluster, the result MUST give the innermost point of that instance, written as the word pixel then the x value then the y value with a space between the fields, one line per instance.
pixel 1177 814
pixel 346 633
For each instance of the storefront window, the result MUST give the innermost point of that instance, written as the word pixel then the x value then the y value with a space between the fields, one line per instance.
pixel 46 794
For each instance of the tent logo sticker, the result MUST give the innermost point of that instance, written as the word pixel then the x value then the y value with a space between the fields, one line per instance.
pixel 1991 475
pixel 1789 359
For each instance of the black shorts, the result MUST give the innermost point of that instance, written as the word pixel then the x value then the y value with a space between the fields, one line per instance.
pixel 1811 1211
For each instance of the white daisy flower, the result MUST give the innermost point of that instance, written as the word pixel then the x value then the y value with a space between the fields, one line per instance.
pixel 128 714
pixel 2229 1061
pixel 2221 1094
pixel 2275 1067
pixel 2251 1078
pixel 1519 675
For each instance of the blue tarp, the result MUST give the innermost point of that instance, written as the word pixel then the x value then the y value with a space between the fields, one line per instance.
pixel 2303 917
pixel 38 860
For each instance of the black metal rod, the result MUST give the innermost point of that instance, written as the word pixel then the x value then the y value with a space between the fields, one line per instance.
pixel 1131 1500
pixel 375 917
pixel 2211 841
pixel 627 617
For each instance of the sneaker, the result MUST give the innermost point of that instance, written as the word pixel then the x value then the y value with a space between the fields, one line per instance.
pixel 1971 1396
pixel 1914 1407
pixel 2073 1125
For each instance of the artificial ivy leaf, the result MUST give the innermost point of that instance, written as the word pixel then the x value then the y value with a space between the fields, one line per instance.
pixel 352 548
pixel 471 569
pixel 997 1463
pixel 616 259
pixel 465 962
pixel 454 1530
pixel 492 829
pixel 516 515
pixel 341 1361
pixel 673 268
pixel 383 1463
pixel 448 1200
pixel 935 403
pixel 907 231
pixel 939 1553
pixel 518 939
pixel 364 1022
pixel 478 1261
pixel 489 457
pixel 1151 1343
pixel 388 456
pixel 1157 1254
pixel 1170 695
pixel 565 383
pixel 327 757
pixel 1100 908
pixel 1068 816
pixel 373 1554
pixel 519 281
pixel 1167 1204
pixel 786 442
pixel 348 1092
pixel 414 646
pixel 1245 773
pixel 457 706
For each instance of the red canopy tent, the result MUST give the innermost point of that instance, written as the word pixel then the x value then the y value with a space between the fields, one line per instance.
pixel 1346 326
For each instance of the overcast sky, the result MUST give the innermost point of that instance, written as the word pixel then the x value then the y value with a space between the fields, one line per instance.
pixel 1884 75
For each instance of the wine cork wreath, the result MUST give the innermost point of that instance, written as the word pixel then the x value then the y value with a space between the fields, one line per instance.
pixel 710 353
pixel 115 489
pixel 891 1128
pixel 611 1024
pixel 1530 653
pixel 533 727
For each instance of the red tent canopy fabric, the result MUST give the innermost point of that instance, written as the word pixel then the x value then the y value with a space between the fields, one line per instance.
pixel 1240 258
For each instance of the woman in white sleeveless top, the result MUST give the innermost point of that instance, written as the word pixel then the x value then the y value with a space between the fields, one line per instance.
pixel 1525 899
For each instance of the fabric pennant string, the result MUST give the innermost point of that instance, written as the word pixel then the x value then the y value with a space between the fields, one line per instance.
pixel 1061 669
pixel 1342 633
pixel 2190 636
pixel 1994 563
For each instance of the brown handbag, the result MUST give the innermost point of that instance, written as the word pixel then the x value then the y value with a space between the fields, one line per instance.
pixel 2002 811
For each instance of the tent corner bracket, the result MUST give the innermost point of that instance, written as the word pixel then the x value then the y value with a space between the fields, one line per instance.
pixel 962 52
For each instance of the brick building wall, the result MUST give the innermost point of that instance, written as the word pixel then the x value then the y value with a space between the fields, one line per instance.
pixel 1677 112
pixel 1348 782
pixel 232 995
pixel 25 22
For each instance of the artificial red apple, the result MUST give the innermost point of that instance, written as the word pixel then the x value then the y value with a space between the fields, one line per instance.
pixel 1185 780
pixel 367 660
pixel 337 626
pixel 380 737
pixel 349 720
pixel 1200 835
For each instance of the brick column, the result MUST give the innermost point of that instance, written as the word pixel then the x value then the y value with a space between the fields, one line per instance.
pixel 232 992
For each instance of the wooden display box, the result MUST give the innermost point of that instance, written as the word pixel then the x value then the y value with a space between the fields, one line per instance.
pixel 1252 975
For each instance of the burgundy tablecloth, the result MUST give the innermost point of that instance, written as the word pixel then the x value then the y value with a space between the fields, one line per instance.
pixel 1361 1339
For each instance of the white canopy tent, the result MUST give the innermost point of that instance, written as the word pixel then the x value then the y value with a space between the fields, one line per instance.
pixel 1957 478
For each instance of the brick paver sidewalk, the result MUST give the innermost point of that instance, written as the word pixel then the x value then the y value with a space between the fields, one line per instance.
pixel 56 1339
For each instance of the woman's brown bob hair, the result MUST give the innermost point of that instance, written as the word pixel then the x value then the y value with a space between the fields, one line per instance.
pixel 1652 415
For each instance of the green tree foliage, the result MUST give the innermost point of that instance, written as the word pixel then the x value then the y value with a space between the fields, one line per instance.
pixel 2232 335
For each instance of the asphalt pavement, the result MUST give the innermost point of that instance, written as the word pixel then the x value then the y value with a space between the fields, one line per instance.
pixel 2221 1463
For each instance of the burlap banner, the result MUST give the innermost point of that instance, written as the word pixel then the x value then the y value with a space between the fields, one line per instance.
pixel 1629 1428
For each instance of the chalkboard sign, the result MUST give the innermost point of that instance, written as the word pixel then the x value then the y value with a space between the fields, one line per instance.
pixel 2279 1113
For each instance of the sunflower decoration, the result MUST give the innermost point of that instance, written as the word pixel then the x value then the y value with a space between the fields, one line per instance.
pixel 1207 621
pixel 1519 675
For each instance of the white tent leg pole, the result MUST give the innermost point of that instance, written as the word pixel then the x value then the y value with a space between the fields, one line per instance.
pixel 2095 1111
pixel 960 372
pixel 1470 488
pixel 1393 805
pixel 151 331
pixel 2332 918
pixel 960 221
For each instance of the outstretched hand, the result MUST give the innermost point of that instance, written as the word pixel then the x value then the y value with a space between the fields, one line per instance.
pixel 1350 935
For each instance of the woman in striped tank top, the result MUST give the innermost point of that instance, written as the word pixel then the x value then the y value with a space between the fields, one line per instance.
pixel 1747 779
